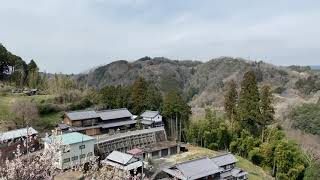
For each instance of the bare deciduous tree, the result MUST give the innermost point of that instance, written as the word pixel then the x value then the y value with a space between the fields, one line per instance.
pixel 26 113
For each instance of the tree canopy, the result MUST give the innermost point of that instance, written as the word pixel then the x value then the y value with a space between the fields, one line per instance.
pixel 249 102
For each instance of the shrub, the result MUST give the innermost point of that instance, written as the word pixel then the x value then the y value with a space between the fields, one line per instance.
pixel 84 103
pixel 255 156
pixel 312 172
pixel 47 108
pixel 307 118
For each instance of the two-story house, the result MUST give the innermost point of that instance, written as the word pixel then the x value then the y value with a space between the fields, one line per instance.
pixel 76 149
pixel 217 168
pixel 227 162
pixel 97 122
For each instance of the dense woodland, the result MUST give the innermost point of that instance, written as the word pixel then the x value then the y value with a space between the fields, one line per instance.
pixel 307 118
pixel 247 130
pixel 246 127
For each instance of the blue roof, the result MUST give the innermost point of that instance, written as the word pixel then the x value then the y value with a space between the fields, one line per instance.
pixel 71 138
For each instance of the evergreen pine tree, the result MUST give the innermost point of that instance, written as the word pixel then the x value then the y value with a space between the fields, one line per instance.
pixel 249 114
pixel 139 95
pixel 33 76
pixel 267 110
pixel 230 102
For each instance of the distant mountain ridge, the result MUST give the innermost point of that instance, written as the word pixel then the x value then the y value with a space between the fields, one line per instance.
pixel 315 67
pixel 201 82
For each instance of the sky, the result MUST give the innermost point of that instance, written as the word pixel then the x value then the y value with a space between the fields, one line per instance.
pixel 73 36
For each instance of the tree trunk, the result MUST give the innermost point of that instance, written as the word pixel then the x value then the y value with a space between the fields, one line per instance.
pixel 176 128
pixel 274 168
pixel 262 135
pixel 171 127
pixel 180 131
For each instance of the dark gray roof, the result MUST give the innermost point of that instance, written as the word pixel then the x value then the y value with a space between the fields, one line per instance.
pixel 198 168
pixel 149 114
pixel 63 126
pixel 235 172
pixel 114 114
pixel 121 123
pixel 224 159
pixel 17 133
pixel 80 115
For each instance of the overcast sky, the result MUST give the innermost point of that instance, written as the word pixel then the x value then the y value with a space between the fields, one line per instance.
pixel 72 36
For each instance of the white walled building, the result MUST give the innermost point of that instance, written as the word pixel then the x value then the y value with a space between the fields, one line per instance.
pixel 122 161
pixel 77 149
pixel 152 118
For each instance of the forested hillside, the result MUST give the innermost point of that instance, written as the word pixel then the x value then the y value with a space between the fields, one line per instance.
pixel 201 82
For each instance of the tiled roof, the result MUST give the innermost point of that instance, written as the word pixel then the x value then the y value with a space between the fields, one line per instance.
pixel 198 168
pixel 114 114
pixel 17 133
pixel 149 114
pixel 80 115
pixel 70 138
pixel 104 114
pixel 224 159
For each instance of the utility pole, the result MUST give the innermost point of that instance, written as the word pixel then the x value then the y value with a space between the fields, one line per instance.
pixel 142 177
pixel 27 143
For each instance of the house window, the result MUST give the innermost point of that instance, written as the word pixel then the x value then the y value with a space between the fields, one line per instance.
pixel 89 154
pixel 74 158
pixel 82 156
pixel 82 146
pixel 66 160
pixel 66 149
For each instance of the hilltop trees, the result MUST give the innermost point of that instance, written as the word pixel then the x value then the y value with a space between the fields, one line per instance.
pixel 140 96
pixel 4 62
pixel 14 69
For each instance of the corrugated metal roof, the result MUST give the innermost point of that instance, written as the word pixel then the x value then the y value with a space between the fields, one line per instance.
pixel 149 114
pixel 80 115
pixel 198 168
pixel 17 133
pixel 121 158
pixel 114 114
pixel 224 159
pixel 70 138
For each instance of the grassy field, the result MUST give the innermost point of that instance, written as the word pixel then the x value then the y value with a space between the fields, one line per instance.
pixel 255 172
pixel 5 114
